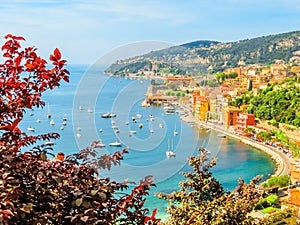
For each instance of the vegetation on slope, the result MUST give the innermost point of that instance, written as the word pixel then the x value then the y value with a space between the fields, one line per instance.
pixel 279 102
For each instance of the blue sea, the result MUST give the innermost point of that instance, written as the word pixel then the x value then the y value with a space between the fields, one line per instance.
pixel 97 93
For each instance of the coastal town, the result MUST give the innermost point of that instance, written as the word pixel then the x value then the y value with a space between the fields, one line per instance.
pixel 212 108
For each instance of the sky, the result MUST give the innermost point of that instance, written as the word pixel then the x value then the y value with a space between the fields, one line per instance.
pixel 86 30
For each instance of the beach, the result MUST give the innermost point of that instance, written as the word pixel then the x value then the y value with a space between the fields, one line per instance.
pixel 281 159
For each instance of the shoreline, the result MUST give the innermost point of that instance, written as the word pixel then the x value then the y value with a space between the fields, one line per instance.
pixel 281 160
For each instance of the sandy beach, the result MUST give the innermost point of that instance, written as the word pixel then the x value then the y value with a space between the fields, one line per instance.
pixel 281 159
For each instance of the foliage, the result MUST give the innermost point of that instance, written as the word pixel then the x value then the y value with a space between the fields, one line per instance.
pixel 65 190
pixel 250 130
pixel 221 77
pixel 175 93
pixel 263 135
pixel 242 100
pixel 281 217
pixel 280 181
pixel 202 200
pixel 267 202
pixel 269 210
pixel 279 103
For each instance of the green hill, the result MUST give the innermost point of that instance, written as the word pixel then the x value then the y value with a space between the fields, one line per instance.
pixel 203 56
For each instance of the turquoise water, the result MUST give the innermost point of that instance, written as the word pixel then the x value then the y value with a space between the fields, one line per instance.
pixel 89 88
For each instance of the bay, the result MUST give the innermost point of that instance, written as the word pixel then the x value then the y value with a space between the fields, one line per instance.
pixel 90 89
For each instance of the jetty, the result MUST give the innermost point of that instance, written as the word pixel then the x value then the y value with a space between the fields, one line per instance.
pixel 157 99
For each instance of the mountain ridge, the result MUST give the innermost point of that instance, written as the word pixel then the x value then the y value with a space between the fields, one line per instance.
pixel 202 56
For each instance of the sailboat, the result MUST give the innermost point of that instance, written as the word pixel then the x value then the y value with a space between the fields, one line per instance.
pixel 49 114
pixel 175 131
pixel 169 152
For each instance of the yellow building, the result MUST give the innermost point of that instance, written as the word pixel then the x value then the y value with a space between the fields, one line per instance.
pixel 201 105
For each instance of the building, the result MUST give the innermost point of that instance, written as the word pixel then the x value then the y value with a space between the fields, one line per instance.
pixel 295 170
pixel 230 115
pixel 244 120
pixel 180 80
pixel 200 105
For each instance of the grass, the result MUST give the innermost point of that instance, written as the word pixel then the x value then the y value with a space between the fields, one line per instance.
pixel 269 209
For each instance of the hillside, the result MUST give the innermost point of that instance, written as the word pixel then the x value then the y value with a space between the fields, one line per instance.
pixel 202 56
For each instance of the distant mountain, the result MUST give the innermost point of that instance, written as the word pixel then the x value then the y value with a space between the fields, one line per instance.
pixel 203 56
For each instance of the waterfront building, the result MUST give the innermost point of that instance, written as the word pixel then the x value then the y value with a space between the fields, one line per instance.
pixel 244 120
pixel 230 115
pixel 200 105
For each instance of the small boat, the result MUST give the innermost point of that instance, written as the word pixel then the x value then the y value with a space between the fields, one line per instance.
pixel 108 115
pixel 161 125
pixel 64 119
pixel 132 131
pixel 100 130
pixel 62 127
pixel 65 123
pixel 221 135
pixel 151 131
pixel 90 110
pixel 169 109
pixel 127 122
pixel 140 125
pixel 115 144
pixel 81 107
pixel 31 129
pixel 38 120
pixel 79 128
pixel 100 145
pixel 113 122
pixel 52 123
pixel 139 115
pixel 117 131
pixel 114 127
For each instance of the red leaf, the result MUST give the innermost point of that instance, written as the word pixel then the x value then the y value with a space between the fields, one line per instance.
pixel 7 212
pixel 19 38
pixel 57 54
pixel 154 214
pixel 8 36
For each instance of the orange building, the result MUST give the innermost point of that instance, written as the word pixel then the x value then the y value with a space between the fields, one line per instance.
pixel 230 115
pixel 294 200
pixel 237 70
pixel 295 170
pixel 244 120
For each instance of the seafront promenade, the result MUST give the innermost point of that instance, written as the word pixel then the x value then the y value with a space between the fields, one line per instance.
pixel 281 159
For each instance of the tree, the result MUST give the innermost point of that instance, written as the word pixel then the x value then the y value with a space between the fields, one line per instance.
pixel 202 199
pixel 249 85
pixel 65 190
